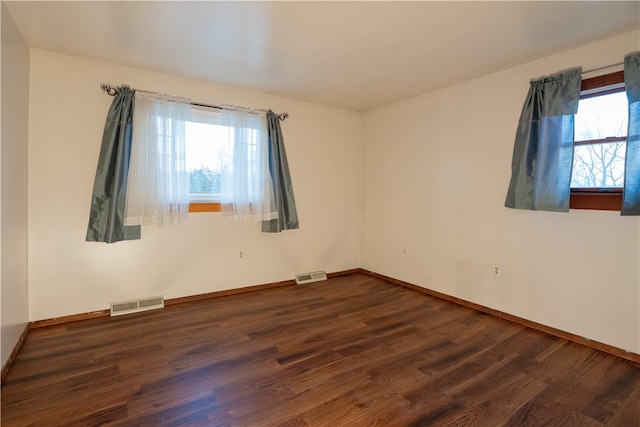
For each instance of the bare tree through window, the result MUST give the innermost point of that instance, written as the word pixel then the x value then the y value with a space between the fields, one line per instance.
pixel 600 138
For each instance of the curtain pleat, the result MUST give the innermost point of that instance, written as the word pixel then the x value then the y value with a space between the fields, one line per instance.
pixel 106 218
pixel 281 180
pixel 631 197
pixel 543 148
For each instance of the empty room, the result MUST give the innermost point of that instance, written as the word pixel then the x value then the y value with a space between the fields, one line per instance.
pixel 320 213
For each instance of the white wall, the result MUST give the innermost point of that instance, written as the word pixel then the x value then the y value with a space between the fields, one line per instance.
pixel 436 172
pixel 68 275
pixel 13 179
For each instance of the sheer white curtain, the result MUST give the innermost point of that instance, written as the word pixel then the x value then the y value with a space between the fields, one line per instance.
pixel 158 181
pixel 247 192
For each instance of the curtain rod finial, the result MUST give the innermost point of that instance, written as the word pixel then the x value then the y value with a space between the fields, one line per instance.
pixel 110 90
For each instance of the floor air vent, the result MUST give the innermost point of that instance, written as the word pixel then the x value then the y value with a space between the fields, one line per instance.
pixel 127 307
pixel 310 277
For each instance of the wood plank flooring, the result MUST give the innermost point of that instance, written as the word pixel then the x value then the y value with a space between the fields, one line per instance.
pixel 352 351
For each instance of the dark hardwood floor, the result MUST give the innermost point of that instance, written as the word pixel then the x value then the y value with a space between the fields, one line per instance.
pixel 352 351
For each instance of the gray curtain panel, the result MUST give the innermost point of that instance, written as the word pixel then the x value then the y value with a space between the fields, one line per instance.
pixel 543 148
pixel 282 188
pixel 106 219
pixel 631 198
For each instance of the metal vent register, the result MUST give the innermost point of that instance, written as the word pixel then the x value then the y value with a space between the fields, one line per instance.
pixel 127 307
pixel 316 276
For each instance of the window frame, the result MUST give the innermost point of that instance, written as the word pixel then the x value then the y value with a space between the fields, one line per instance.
pixel 609 199
pixel 203 205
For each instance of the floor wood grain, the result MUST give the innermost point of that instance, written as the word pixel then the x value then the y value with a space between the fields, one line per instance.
pixel 352 351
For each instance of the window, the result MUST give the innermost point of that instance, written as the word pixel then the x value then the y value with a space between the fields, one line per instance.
pixel 227 162
pixel 600 144
pixel 207 145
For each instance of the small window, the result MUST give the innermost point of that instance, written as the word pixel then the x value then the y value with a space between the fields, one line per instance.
pixel 600 144
pixel 223 153
pixel 208 146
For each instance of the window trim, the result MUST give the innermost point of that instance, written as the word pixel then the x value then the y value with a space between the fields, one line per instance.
pixel 605 199
pixel 197 207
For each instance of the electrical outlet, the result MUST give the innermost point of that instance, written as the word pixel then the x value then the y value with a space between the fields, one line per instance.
pixel 497 270
pixel 240 254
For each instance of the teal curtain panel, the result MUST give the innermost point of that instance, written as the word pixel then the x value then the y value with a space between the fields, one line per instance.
pixel 631 195
pixel 281 180
pixel 106 218
pixel 543 148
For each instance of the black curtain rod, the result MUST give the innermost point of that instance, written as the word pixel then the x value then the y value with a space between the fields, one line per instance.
pixel 112 91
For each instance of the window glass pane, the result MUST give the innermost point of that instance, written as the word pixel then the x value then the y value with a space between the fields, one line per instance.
pixel 598 165
pixel 208 150
pixel 602 117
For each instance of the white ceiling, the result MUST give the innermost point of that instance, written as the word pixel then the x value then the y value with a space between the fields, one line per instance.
pixel 353 55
